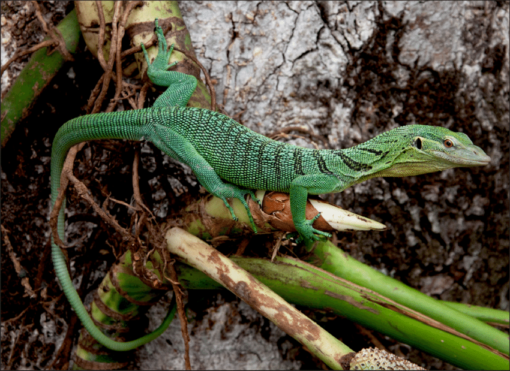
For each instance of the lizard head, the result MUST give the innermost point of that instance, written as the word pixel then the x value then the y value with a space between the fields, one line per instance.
pixel 414 150
pixel 432 143
pixel 432 148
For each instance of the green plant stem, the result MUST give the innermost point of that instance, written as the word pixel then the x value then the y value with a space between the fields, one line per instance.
pixel 117 316
pixel 303 284
pixel 37 74
pixel 334 260
pixel 253 292
pixel 481 313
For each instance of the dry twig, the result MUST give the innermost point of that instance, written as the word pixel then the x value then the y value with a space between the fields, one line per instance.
pixel 20 53
pixel 182 315
pixel 120 35
pixel 54 33
pixel 113 48
pixel 206 75
pixel 17 265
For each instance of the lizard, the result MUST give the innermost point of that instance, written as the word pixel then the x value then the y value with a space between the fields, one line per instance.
pixel 230 160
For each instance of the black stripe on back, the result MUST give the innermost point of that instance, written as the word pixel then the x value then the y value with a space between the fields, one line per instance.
pixel 298 161
pixel 261 162
pixel 374 151
pixel 320 162
pixel 278 168
pixel 351 164
pixel 277 153
pixel 238 147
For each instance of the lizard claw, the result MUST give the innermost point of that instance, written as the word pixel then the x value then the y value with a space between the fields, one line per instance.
pixel 253 197
pixel 230 190
pixel 160 62
pixel 309 234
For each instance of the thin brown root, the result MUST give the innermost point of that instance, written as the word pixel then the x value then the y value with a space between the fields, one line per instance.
pixel 206 75
pixel 111 59
pixel 19 54
pixel 182 315
pixel 118 62
pixel 129 95
pixel 277 246
pixel 14 319
pixel 143 94
pixel 242 246
pixel 100 37
pixel 95 92
pixel 83 192
pixel 136 184
pixel 109 198
pixel 54 33
pixel 64 181
pixel 17 265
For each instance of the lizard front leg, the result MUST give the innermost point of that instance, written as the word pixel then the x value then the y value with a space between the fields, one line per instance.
pixel 299 190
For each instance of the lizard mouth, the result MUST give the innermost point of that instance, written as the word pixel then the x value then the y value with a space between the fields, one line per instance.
pixel 484 161
pixel 467 157
pixel 479 158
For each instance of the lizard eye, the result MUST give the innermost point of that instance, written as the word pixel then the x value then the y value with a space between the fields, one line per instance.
pixel 448 143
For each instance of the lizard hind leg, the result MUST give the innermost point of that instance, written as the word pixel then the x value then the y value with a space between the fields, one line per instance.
pixel 179 148
pixel 180 88
pixel 228 190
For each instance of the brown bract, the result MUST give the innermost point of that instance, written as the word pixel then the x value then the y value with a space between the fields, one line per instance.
pixel 276 212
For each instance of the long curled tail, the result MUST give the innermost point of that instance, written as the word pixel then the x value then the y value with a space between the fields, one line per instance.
pixel 117 125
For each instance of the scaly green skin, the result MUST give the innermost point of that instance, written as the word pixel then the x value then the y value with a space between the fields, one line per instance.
pixel 229 159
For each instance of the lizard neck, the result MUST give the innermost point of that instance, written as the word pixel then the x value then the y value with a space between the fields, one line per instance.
pixel 387 155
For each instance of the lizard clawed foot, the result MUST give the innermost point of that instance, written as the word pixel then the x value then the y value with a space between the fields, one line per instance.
pixel 232 191
pixel 253 197
pixel 308 234
pixel 160 62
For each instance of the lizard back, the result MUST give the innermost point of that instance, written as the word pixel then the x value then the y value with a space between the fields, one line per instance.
pixel 240 155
